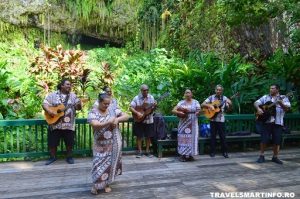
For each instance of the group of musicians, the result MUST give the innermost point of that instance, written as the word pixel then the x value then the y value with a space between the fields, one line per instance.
pixel 106 114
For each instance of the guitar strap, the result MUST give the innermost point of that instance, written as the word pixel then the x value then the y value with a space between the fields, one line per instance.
pixel 66 101
pixel 50 129
pixel 221 99
pixel 222 103
pixel 65 104
pixel 210 99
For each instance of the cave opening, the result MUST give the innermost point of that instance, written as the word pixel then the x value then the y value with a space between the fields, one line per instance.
pixel 89 42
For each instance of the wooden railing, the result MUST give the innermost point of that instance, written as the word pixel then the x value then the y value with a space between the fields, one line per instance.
pixel 28 138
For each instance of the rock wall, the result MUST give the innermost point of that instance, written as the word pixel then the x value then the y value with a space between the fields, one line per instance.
pixel 114 24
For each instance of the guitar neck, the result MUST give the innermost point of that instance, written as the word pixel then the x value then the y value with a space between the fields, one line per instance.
pixel 275 102
pixel 271 105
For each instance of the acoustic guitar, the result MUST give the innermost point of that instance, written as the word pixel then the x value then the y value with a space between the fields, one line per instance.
pixel 60 112
pixel 269 108
pixel 217 104
pixel 146 109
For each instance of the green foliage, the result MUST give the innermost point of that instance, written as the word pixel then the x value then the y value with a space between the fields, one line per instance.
pixel 149 18
pixel 251 28
pixel 55 64
pixel 4 75
pixel 190 44
pixel 20 98
pixel 84 8
pixel 198 48
pixel 96 58
pixel 103 17
pixel 285 65
pixel 196 25
pixel 163 72
pixel 249 89
pixel 252 12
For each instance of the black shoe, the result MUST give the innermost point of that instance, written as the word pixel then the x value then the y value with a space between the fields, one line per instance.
pixel 225 155
pixel 50 160
pixel 149 155
pixel 139 155
pixel 182 158
pixel 261 159
pixel 190 158
pixel 212 155
pixel 276 160
pixel 70 160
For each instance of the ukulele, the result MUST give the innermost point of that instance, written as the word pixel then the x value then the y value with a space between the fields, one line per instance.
pixel 60 112
pixel 269 108
pixel 146 109
pixel 217 104
pixel 184 113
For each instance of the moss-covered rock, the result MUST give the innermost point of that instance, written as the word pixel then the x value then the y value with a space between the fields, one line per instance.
pixel 115 22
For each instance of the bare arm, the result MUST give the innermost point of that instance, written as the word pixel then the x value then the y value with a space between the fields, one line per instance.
pixel 78 106
pixel 228 103
pixel 99 125
pixel 123 117
pixel 283 106
pixel 258 109
pixel 47 109
pixel 176 111
pixel 256 105
pixel 78 103
pixel 208 106
pixel 198 109
pixel 133 110
pixel 154 105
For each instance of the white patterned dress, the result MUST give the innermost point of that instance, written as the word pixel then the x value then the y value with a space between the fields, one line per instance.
pixel 106 150
pixel 188 129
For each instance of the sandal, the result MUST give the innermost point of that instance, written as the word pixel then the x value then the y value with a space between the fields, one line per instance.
pixel 107 189
pixel 94 191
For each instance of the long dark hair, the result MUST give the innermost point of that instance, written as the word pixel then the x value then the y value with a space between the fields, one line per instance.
pixel 62 82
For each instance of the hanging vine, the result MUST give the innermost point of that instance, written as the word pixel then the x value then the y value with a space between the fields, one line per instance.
pixel 149 17
pixel 102 16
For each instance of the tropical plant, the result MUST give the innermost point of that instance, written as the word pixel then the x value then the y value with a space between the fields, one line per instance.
pixel 19 98
pixel 55 64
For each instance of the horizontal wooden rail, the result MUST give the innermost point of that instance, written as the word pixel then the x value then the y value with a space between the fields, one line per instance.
pixel 28 137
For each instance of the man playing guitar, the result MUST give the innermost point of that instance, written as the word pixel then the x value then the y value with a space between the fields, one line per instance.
pixel 273 125
pixel 65 126
pixel 217 123
pixel 142 107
